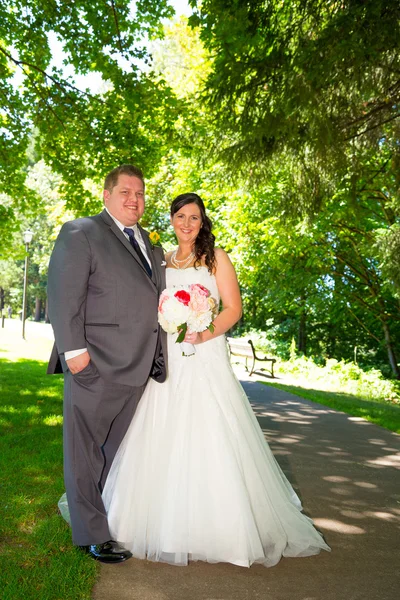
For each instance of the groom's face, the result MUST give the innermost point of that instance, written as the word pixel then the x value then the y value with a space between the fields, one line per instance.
pixel 126 200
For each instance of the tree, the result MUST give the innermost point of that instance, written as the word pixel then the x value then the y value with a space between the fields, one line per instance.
pixel 364 212
pixel 81 134
pixel 326 279
pixel 302 78
pixel 45 220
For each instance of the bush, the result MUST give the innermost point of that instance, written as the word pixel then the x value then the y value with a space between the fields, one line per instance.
pixel 267 342
pixel 330 374
pixel 343 376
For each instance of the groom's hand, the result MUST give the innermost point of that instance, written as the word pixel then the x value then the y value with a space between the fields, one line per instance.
pixel 78 363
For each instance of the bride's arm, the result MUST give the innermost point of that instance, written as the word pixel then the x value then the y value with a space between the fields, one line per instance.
pixel 228 288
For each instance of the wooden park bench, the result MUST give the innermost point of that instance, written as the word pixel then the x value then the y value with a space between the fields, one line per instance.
pixel 240 347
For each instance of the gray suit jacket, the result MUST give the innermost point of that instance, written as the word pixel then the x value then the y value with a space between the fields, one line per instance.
pixel 101 297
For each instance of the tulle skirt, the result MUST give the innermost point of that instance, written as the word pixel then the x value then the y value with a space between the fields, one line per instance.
pixel 194 478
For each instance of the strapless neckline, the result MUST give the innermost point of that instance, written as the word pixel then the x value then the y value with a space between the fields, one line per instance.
pixel 187 268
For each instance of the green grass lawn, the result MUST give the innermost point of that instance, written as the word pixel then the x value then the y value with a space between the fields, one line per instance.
pixel 38 559
pixel 381 413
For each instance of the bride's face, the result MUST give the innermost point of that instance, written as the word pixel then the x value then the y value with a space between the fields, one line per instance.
pixel 187 223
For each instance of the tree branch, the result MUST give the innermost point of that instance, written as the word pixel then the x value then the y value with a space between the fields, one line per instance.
pixel 61 84
pixel 392 91
pixel 356 135
pixel 117 26
pixel 363 326
pixel 21 64
pixel 378 172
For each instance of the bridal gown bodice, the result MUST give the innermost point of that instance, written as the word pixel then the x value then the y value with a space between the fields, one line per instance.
pixel 178 277
pixel 216 348
pixel 194 478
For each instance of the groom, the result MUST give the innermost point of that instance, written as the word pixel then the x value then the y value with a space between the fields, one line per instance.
pixel 103 286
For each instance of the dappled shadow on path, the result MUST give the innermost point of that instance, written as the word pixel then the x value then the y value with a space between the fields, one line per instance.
pixel 344 468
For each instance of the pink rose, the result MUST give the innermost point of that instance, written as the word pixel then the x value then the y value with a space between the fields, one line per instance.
pixel 199 303
pixel 197 288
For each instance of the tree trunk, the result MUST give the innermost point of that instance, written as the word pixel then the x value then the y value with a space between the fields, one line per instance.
pixel 38 309
pixel 302 334
pixel 390 351
pixel 302 339
pixel 46 312
pixel 331 338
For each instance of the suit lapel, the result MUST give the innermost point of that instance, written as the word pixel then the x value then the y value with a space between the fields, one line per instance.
pixel 157 259
pixel 150 254
pixel 120 236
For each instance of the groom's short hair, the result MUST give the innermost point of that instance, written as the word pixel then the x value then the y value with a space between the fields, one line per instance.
pixel 111 179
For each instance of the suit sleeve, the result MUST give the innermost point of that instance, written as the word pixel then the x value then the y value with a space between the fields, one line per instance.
pixel 68 278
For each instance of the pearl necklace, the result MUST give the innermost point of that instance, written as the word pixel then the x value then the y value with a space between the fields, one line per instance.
pixel 185 262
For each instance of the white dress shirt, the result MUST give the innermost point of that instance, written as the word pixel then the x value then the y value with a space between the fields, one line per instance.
pixel 139 239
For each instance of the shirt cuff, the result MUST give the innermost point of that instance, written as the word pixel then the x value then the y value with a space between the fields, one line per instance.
pixel 73 353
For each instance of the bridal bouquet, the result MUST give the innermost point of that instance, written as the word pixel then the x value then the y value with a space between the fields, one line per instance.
pixel 184 308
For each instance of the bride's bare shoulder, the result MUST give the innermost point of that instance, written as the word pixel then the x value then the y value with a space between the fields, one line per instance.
pixel 221 257
pixel 219 252
pixel 223 265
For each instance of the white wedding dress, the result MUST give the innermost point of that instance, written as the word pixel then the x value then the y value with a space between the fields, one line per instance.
pixel 194 478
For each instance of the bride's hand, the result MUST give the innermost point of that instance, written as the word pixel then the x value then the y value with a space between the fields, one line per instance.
pixel 192 337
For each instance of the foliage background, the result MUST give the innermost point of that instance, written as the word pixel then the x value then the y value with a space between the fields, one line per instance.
pixel 282 116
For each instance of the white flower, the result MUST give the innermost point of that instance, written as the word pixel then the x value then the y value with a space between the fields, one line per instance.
pixel 199 321
pixel 168 327
pixel 174 311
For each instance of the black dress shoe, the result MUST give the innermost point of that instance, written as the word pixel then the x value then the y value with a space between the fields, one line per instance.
pixel 109 552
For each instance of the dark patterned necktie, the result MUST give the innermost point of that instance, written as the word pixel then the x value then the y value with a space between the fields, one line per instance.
pixel 135 245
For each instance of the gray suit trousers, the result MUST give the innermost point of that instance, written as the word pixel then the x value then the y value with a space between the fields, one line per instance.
pixel 97 414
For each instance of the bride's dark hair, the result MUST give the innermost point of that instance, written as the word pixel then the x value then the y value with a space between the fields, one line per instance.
pixel 204 243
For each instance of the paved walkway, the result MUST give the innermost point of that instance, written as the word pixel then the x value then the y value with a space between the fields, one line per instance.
pixel 346 472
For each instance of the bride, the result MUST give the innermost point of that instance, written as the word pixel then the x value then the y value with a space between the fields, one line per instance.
pixel 194 478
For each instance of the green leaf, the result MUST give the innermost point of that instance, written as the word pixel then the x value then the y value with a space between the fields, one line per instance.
pixel 182 332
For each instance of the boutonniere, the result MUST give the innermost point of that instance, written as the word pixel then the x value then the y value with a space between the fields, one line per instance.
pixel 155 239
